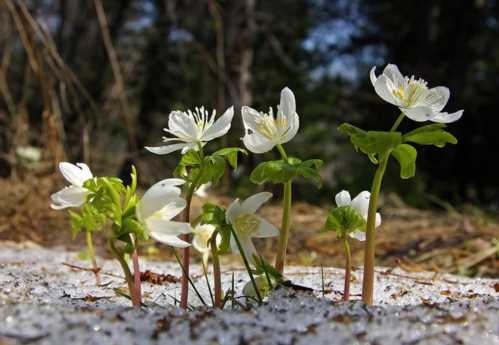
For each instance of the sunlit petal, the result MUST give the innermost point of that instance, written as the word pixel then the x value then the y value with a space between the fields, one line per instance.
pixel 253 203
pixel 447 118
pixel 343 198
pixel 257 143
pixel 220 127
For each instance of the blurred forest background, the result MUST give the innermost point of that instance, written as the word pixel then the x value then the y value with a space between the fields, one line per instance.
pixel 94 81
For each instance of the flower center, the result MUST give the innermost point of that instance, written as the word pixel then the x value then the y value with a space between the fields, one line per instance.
pixel 202 119
pixel 204 237
pixel 246 224
pixel 411 92
pixel 270 127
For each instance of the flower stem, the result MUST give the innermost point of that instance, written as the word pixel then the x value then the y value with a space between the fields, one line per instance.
pixel 370 246
pixel 137 291
pixel 216 271
pixel 247 265
pixel 348 269
pixel 184 290
pixel 126 271
pixel 91 253
pixel 286 220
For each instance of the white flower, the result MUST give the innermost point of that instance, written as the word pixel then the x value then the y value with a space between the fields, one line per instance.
pixel 263 131
pixel 158 206
pixel 193 128
pixel 202 190
pixel 75 194
pixel 246 224
pixel 413 97
pixel 201 240
pixel 359 203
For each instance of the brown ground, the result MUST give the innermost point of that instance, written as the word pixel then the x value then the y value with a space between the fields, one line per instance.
pixel 411 238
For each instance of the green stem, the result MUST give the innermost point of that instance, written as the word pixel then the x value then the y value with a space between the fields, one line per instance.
pixel 247 265
pixel 397 122
pixel 348 269
pixel 91 253
pixel 286 220
pixel 126 271
pixel 186 253
pixel 370 245
pixel 216 271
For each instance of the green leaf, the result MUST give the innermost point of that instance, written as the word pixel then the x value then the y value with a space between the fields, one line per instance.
pixel 191 158
pixel 344 220
pixel 376 142
pixel 231 154
pixel 273 171
pixel 262 286
pixel 371 143
pixel 282 171
pixel 350 129
pixel 213 169
pixel 406 155
pixel 431 135
pixel 264 267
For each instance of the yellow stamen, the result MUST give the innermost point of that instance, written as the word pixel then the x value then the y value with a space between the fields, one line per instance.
pixel 246 224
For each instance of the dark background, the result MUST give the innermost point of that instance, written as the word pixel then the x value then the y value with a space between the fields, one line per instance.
pixel 63 90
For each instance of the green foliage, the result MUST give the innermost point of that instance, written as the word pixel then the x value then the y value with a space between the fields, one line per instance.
pixel 231 154
pixel 262 267
pixel 89 219
pixel 282 171
pixel 215 215
pixel 431 135
pixel 110 201
pixel 372 143
pixel 196 168
pixel 262 284
pixel 406 155
pixel 344 220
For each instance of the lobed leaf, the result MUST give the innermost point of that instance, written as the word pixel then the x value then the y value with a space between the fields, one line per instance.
pixel 406 155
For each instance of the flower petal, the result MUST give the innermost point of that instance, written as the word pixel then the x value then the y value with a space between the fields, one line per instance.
pixel 377 221
pixel 172 209
pixel 383 88
pixel 72 196
pixel 436 98
pixel 247 246
pixel 233 211
pixel 251 118
pixel 293 126
pixel 257 143
pixel 287 105
pixel 343 198
pixel 183 126
pixel 75 174
pixel 253 203
pixel 157 197
pixel 372 75
pixel 446 117
pixel 392 72
pixel 170 240
pixel 167 227
pixel 358 235
pixel 265 229
pixel 165 149
pixel 361 203
pixel 220 127
pixel 419 113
